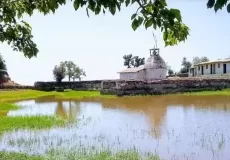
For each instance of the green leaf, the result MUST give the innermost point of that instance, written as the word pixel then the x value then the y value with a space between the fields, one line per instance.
pixel 148 23
pixel 127 2
pixel 177 14
pixel 210 3
pixel 133 16
pixel 228 8
pixel 97 10
pixel 219 4
pixel 140 20
pixel 113 10
pixel 76 4
pixel 135 24
pixel 159 23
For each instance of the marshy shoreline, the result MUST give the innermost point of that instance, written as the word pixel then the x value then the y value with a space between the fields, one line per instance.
pixel 7 99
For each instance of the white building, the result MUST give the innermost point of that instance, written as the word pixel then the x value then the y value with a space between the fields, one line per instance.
pixel 154 68
pixel 212 68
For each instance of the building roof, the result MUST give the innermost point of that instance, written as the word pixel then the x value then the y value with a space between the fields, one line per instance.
pixel 132 70
pixel 210 62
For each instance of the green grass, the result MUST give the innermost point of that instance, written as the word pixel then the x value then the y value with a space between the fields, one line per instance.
pixel 125 155
pixel 7 106
pixel 37 122
pixel 17 156
pixel 9 96
pixel 13 123
pixel 224 92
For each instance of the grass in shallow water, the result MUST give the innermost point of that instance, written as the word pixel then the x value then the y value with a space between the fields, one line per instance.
pixel 17 156
pixel 125 155
pixel 7 106
pixel 37 122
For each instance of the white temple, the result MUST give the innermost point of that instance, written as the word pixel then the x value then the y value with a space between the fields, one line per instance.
pixel 154 68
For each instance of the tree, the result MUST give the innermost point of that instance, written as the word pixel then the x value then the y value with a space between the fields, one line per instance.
pixel 150 13
pixel 185 65
pixel 170 71
pixel 4 77
pixel 69 66
pixel 78 73
pixel 128 60
pixel 59 72
pixel 197 60
pixel 136 61
pixel 204 59
pixel 2 63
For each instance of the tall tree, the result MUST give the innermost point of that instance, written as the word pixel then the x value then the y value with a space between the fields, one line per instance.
pixel 185 65
pixel 78 73
pixel 59 72
pixel 128 60
pixel 204 59
pixel 150 13
pixel 69 66
pixel 2 63
pixel 197 60
pixel 136 61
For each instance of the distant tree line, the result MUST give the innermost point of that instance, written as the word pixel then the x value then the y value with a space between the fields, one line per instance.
pixel 69 69
pixel 187 64
pixel 133 61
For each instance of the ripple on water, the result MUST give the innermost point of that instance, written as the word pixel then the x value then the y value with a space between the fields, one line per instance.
pixel 174 127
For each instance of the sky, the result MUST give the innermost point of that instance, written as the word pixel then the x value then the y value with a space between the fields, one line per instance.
pixel 97 44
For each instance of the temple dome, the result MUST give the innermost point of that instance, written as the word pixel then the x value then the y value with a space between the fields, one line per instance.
pixel 155 61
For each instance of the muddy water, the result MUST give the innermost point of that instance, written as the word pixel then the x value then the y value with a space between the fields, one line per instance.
pixel 175 127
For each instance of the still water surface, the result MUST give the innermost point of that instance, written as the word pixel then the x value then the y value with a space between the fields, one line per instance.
pixel 175 127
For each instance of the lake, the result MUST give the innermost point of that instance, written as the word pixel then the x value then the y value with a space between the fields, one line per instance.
pixel 174 127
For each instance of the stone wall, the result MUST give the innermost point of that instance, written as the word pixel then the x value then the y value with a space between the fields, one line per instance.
pixel 78 85
pixel 158 87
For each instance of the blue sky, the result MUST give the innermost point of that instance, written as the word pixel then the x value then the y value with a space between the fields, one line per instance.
pixel 97 44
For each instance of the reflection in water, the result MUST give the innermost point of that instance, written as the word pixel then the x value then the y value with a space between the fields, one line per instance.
pixel 176 127
pixel 71 113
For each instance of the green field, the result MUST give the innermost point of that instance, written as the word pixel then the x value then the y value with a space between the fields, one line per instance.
pixel 17 95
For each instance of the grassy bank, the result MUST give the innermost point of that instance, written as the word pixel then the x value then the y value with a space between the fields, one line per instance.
pixel 225 92
pixel 56 155
pixel 17 95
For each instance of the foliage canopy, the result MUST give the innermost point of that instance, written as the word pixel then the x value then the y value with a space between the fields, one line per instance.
pixel 2 63
pixel 135 61
pixel 150 13
pixel 185 65
pixel 59 72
